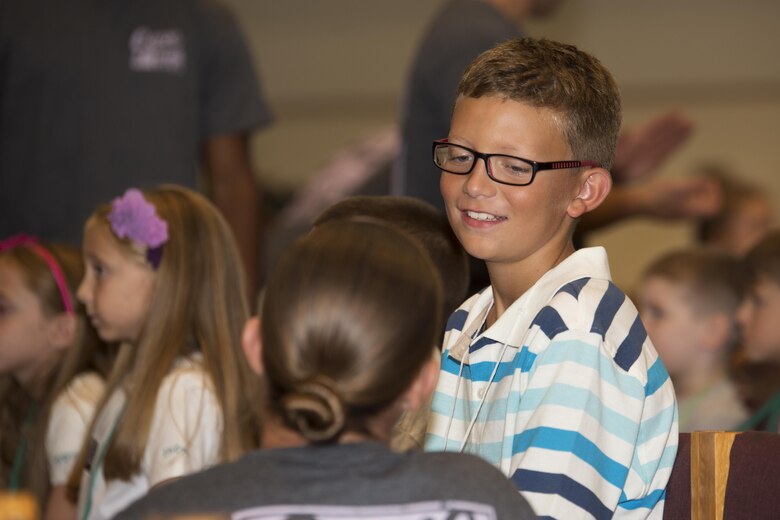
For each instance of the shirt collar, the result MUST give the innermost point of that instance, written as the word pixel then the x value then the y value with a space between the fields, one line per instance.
pixel 589 262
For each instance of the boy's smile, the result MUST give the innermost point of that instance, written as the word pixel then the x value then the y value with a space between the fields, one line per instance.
pixel 510 224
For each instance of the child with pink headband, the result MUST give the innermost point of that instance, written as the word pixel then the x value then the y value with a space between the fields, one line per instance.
pixel 52 368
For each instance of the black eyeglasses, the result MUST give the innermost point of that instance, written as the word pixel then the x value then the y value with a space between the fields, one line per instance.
pixel 504 169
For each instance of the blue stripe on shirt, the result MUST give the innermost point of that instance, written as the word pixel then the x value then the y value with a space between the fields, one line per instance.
pixel 657 424
pixel 457 320
pixel 574 287
pixel 568 488
pixel 648 501
pixel 568 441
pixel 628 351
pixel 611 421
pixel 549 321
pixel 478 372
pixel 607 309
pixel 481 371
pixel 656 377
pixel 590 356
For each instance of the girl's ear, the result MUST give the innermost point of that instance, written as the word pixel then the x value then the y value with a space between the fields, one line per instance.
pixel 62 330
pixel 253 345
pixel 595 185
pixel 423 385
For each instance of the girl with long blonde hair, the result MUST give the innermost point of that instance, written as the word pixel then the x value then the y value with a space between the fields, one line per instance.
pixel 163 278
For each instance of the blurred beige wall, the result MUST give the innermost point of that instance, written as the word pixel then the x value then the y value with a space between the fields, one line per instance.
pixel 334 69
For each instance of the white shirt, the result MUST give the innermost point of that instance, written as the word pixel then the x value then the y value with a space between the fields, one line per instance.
pixel 184 438
pixel 69 419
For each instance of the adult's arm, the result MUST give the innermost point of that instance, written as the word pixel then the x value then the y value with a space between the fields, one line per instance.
pixel 235 192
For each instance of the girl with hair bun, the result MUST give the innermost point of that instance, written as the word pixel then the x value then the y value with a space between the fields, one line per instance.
pixel 350 316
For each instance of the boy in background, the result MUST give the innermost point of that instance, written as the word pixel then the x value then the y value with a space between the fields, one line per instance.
pixel 548 373
pixel 759 319
pixel 688 301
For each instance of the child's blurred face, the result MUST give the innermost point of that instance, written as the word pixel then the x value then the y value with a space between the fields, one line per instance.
pixel 759 320
pixel 24 328
pixel 509 224
pixel 671 323
pixel 117 287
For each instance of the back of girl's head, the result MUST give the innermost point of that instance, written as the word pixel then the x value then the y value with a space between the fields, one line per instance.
pixel 198 305
pixel 351 314
pixel 422 221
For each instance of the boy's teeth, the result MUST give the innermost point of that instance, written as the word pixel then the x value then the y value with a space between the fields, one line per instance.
pixel 481 216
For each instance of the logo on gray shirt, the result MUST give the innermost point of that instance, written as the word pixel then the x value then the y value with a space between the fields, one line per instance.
pixel 157 50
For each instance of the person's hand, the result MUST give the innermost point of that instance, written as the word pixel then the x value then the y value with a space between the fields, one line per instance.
pixel 675 199
pixel 640 150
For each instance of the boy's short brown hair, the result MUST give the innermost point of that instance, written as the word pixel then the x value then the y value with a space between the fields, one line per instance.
pixel 548 74
pixel 763 260
pixel 711 278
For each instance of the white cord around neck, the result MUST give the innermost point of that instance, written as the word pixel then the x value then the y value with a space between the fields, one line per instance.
pixel 457 381
pixel 473 421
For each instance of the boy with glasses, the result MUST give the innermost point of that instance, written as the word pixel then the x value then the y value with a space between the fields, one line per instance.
pixel 548 373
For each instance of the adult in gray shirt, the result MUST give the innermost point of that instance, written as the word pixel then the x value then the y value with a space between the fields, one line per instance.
pixel 96 97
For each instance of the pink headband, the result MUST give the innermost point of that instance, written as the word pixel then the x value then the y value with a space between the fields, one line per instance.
pixel 32 244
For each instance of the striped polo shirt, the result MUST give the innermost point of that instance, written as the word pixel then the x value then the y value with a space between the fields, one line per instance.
pixel 564 393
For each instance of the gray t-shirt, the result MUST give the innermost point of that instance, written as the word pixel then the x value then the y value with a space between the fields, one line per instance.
pixel 99 96
pixel 458 33
pixel 364 480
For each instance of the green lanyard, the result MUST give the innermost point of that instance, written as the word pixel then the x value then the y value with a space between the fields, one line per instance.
pixel 21 450
pixel 97 464
pixel 770 413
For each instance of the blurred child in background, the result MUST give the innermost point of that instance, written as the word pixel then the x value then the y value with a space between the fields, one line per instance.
pixel 688 301
pixel 52 369
pixel 759 318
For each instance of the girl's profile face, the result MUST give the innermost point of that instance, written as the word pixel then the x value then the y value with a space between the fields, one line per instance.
pixel 25 348
pixel 117 287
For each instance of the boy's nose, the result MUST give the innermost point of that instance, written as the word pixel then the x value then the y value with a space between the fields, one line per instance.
pixel 478 183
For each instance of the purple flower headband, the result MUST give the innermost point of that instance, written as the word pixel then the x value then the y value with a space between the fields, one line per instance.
pixel 133 217
pixel 32 244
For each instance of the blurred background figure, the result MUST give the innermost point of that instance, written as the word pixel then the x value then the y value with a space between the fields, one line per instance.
pixel 688 301
pixel 746 212
pixel 95 98
pixel 760 326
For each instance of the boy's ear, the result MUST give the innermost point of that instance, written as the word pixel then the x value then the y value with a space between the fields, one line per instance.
pixel 62 330
pixel 595 184
pixel 253 345
pixel 423 385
